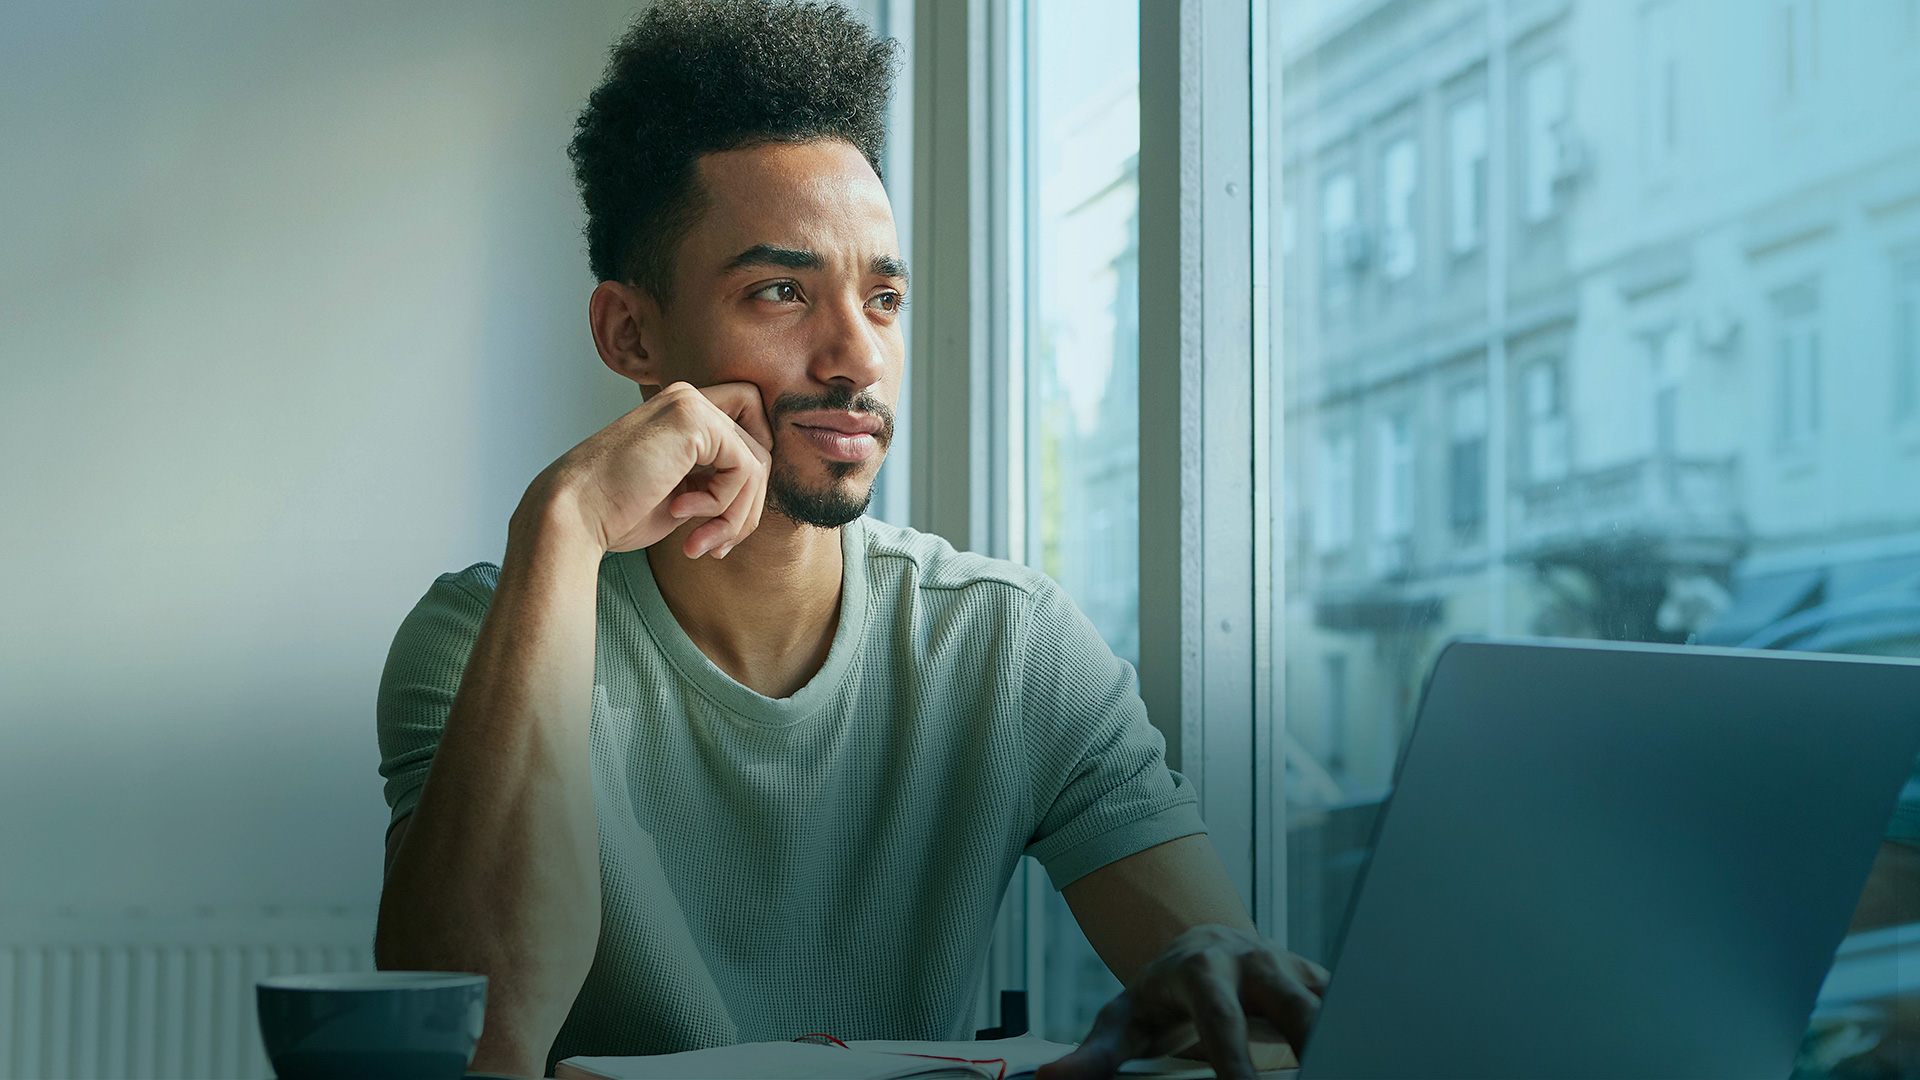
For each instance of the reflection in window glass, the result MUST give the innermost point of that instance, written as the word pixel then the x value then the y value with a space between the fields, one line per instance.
pixel 1399 177
pixel 1467 462
pixel 1906 344
pixel 1333 520
pixel 1083 499
pixel 1339 215
pixel 1546 112
pixel 1699 420
pixel 1467 173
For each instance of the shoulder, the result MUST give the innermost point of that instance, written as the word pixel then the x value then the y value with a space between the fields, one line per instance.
pixel 444 622
pixel 476 582
pixel 931 566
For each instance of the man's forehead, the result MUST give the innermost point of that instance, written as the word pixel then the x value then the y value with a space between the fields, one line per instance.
pixel 817 197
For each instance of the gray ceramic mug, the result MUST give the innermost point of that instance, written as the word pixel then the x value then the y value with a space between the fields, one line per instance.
pixel 373 1024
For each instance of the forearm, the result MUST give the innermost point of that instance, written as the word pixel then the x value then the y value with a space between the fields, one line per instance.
pixel 498 869
pixel 1131 910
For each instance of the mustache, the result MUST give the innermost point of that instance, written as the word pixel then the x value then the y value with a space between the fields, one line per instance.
pixel 843 399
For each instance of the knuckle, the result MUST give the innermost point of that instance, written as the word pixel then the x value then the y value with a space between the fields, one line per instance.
pixel 1263 964
pixel 1218 1010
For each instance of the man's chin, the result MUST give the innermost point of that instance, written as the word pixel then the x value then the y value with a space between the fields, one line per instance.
pixel 824 506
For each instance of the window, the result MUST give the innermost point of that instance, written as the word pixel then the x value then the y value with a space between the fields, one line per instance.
pixel 1392 489
pixel 1663 365
pixel 1333 523
pixel 1466 174
pixel 1906 339
pixel 1659 87
pixel 1796 358
pixel 1333 730
pixel 1546 423
pixel 1399 179
pixel 1546 116
pixel 1344 252
pixel 1798 23
pixel 1688 333
pixel 1075 217
pixel 1467 461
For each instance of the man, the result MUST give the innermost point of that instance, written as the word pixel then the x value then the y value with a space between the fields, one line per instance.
pixel 711 757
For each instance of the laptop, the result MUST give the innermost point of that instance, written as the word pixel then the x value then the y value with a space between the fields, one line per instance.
pixel 1616 860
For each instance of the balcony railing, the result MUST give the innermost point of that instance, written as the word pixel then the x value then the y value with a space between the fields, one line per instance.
pixel 1654 498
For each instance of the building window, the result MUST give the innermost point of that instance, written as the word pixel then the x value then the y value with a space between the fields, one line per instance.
pixel 1659 86
pixel 1467 174
pixel 1546 118
pixel 1906 342
pixel 1545 401
pixel 1796 352
pixel 1333 521
pixel 1664 367
pixel 1399 180
pixel 1798 23
pixel 1333 713
pixel 1467 461
pixel 1344 248
pixel 1393 478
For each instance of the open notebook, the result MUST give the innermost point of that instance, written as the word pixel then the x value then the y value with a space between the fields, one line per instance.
pixel 986 1059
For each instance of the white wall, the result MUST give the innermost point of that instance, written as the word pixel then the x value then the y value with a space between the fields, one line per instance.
pixel 292 306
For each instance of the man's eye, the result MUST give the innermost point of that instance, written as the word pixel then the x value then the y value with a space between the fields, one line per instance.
pixel 785 292
pixel 888 301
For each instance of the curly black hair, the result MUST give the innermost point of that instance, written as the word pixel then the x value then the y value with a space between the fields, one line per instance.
pixel 694 77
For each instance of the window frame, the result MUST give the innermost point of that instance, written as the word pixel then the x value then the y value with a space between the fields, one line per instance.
pixel 1208 442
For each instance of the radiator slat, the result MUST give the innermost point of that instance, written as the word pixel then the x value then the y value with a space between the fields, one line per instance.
pixel 119 1010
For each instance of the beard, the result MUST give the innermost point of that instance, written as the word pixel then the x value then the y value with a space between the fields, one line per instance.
pixel 823 508
pixel 836 503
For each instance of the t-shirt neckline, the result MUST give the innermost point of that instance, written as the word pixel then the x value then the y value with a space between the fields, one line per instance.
pixel 748 704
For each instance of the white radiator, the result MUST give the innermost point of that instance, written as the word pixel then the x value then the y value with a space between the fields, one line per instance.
pixel 145 999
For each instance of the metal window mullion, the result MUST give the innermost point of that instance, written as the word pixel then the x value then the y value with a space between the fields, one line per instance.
pixel 961 389
pixel 952 386
pixel 1200 566
pixel 1269 631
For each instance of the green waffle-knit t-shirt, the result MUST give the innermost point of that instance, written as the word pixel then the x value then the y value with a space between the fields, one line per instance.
pixel 831 861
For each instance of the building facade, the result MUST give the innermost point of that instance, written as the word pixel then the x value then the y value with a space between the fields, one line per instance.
pixel 1597 319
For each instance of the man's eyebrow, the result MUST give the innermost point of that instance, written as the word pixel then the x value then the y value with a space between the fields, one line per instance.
pixel 888 266
pixel 768 255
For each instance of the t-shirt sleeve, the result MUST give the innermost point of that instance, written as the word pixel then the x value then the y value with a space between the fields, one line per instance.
pixel 422 675
pixel 1101 787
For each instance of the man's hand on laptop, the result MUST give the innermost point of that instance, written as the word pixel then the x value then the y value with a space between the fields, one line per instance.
pixel 1212 990
pixel 684 454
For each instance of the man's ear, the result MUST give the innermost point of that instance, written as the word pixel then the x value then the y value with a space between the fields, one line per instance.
pixel 626 326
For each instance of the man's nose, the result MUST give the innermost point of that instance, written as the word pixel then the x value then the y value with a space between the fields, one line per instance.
pixel 849 346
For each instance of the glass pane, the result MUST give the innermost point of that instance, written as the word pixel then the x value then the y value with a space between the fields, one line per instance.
pixel 1082 501
pixel 894 19
pixel 1614 333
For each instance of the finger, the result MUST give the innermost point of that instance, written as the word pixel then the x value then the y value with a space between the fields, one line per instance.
pixel 740 512
pixel 1317 976
pixel 693 504
pixel 1102 1052
pixel 1271 993
pixel 1213 1002
pixel 724 488
pixel 738 469
pixel 742 403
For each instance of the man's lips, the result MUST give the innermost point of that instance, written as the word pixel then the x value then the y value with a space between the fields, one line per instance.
pixel 840 436
pixel 841 422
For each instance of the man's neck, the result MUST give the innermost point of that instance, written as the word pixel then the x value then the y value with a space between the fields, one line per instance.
pixel 766 614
